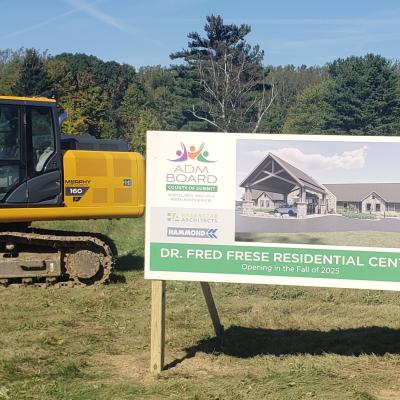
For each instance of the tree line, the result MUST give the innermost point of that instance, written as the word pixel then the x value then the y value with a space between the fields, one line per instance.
pixel 220 84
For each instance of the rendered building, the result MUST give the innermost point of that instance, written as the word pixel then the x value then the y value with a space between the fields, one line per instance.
pixel 274 182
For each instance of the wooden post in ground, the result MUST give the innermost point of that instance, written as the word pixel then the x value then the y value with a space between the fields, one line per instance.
pixel 212 309
pixel 157 347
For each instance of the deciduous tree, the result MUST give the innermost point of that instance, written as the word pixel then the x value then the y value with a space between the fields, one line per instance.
pixel 310 111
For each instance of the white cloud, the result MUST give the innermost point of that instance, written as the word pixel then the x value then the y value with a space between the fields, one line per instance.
pixel 354 159
pixel 91 10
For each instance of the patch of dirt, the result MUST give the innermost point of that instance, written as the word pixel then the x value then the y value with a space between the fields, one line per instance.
pixel 203 365
pixel 122 366
pixel 136 366
pixel 388 394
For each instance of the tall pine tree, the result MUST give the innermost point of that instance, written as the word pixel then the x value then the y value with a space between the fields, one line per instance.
pixel 230 75
pixel 33 78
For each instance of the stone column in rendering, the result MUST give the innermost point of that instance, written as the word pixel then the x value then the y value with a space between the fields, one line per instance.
pixel 302 204
pixel 323 206
pixel 301 209
pixel 248 203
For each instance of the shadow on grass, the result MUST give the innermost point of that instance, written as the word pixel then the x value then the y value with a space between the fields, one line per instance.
pixel 129 262
pixel 116 278
pixel 244 342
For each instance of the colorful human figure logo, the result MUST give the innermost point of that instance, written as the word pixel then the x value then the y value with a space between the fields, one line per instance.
pixel 199 154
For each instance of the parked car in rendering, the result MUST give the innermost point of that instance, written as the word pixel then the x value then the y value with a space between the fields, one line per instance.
pixel 290 209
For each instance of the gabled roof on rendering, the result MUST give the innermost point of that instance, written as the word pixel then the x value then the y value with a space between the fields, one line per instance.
pixel 357 192
pixel 302 176
pixel 373 194
pixel 256 194
pixel 275 175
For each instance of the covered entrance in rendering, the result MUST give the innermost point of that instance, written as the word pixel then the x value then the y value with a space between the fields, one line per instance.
pixel 300 191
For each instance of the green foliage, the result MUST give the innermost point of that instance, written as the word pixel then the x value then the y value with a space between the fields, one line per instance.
pixel 365 96
pixel 146 121
pixel 169 93
pixel 310 111
pixel 91 91
pixel 33 78
pixel 362 97
pixel 290 81
pixel 359 215
pixel 129 109
pixel 357 95
pixel 219 38
pixel 10 62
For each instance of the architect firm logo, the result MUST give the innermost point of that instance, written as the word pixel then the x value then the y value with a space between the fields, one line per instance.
pixel 201 233
pixel 192 217
pixel 192 153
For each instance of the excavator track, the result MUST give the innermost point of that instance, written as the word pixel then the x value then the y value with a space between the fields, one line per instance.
pixel 45 258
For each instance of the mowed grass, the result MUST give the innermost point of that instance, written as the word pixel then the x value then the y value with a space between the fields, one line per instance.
pixel 280 342
pixel 352 238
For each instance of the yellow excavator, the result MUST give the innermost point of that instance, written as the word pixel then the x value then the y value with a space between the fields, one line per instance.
pixel 48 176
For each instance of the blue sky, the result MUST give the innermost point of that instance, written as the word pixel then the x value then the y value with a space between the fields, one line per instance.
pixel 145 32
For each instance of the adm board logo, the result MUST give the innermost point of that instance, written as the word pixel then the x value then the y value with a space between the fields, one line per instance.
pixel 185 154
pixel 192 167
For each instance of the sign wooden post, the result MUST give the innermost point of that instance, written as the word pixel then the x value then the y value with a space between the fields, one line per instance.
pixel 158 305
pixel 218 328
pixel 157 349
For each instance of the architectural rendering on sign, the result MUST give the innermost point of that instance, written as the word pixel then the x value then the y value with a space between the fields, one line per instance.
pixel 281 188
pixel 274 176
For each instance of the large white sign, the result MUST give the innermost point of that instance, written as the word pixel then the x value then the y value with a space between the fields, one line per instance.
pixel 277 209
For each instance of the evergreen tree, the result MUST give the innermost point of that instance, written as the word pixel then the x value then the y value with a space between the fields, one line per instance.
pixel 33 79
pixel 365 96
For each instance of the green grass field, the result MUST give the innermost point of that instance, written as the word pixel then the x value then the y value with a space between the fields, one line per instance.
pixel 280 343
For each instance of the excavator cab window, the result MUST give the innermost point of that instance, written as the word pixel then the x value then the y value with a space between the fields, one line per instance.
pixel 10 149
pixel 43 145
pixel 30 155
pixel 43 157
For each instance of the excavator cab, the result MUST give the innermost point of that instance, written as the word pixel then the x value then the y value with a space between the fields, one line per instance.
pixel 30 153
